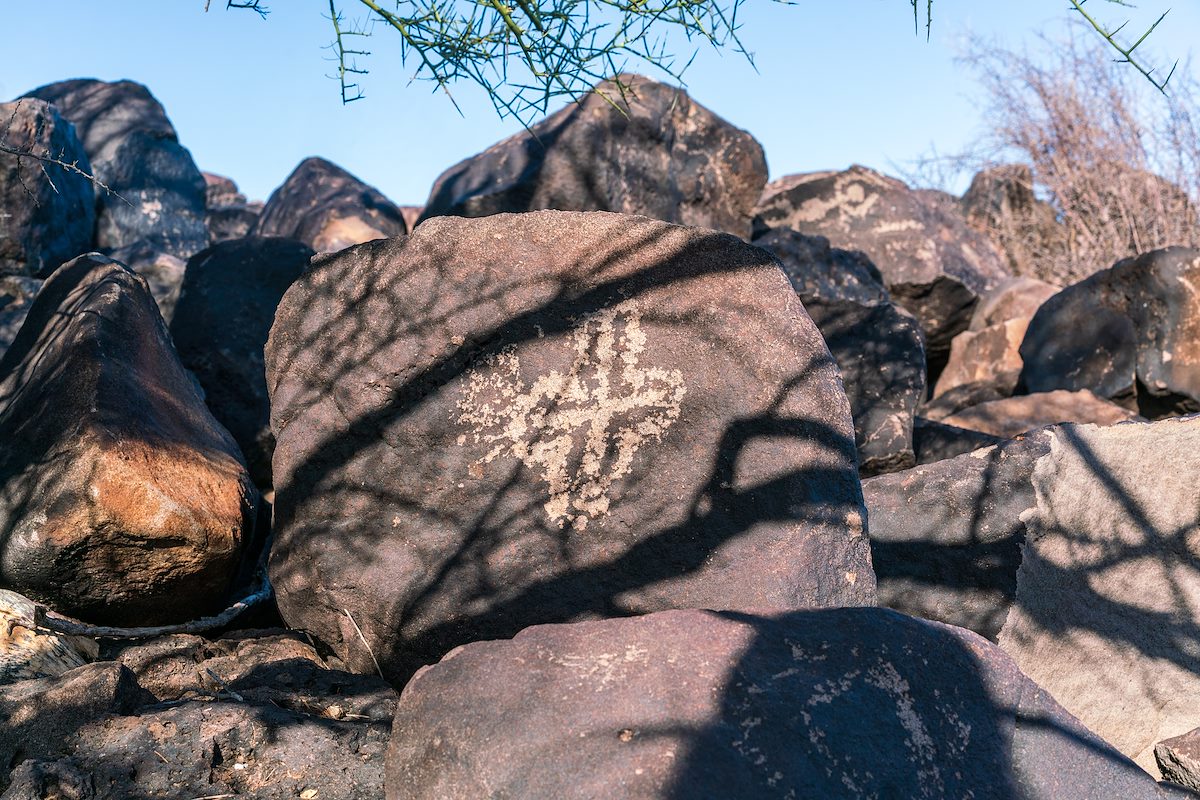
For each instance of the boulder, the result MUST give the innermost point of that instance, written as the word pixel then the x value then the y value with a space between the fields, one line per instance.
pixel 135 152
pixel 1001 203
pixel 328 209
pixel 123 501
pixel 933 264
pixel 646 148
pixel 960 397
pixel 16 297
pixel 163 273
pixel 1013 298
pixel 27 650
pixel 1178 759
pixel 858 702
pixel 259 717
pixel 1105 613
pixel 879 349
pixel 105 114
pixel 551 416
pixel 229 215
pixel 47 212
pixel 989 356
pixel 946 536
pixel 159 198
pixel 1126 333
pixel 1014 415
pixel 226 307
pixel 936 441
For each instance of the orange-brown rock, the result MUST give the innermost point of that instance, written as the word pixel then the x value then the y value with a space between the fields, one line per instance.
pixel 123 500
pixel 989 356
pixel 1015 297
pixel 1015 415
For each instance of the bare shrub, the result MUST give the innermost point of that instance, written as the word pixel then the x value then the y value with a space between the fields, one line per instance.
pixel 1116 163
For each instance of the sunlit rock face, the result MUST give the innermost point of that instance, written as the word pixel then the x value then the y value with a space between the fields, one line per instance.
pixel 123 501
pixel 640 147
pixel 550 416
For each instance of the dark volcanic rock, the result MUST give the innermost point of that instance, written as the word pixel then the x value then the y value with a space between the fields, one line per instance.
pixel 932 263
pixel 259 717
pixel 838 703
pixel 879 349
pixel 221 191
pixel 47 217
pixel 134 150
pixel 1015 415
pixel 1130 333
pixel 936 441
pixel 161 198
pixel 221 324
pixel 105 114
pixel 550 416
pixel 946 537
pixel 163 273
pixel 16 298
pixel 123 500
pixel 328 209
pixel 659 154
pixel 229 214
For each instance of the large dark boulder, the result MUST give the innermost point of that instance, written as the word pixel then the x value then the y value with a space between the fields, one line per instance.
pixel 226 307
pixel 646 149
pixel 860 702
pixel 550 416
pixel 157 193
pixel 47 211
pixel 163 273
pixel 123 500
pixel 1130 334
pixel 879 349
pixel 328 209
pixel 16 298
pixel 230 215
pixel 933 264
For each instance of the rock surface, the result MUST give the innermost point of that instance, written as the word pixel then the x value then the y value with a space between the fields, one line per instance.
pixel 47 217
pixel 988 356
pixel 1014 415
pixel 123 500
pixel 1013 298
pixel 936 441
pixel 229 214
pixel 551 416
pixel 1104 617
pixel 261 716
pixel 1001 204
pixel 932 263
pixel 135 151
pixel 225 311
pixel 837 703
pixel 328 209
pixel 16 298
pixel 1178 759
pixel 879 350
pixel 659 154
pixel 1128 333
pixel 27 650
pixel 946 536
pixel 163 273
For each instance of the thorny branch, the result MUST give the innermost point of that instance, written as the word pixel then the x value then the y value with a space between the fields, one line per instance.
pixel 43 159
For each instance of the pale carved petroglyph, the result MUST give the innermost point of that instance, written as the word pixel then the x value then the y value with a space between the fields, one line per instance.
pixel 580 428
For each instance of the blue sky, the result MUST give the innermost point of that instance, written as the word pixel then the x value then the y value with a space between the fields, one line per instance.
pixel 838 81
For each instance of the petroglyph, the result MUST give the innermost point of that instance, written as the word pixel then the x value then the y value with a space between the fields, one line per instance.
pixel 580 428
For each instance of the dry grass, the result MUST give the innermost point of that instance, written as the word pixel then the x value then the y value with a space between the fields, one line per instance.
pixel 1116 163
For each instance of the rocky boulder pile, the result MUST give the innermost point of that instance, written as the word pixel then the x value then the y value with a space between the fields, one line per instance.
pixel 613 471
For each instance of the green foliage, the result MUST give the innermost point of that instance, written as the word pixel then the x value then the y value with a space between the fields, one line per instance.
pixel 526 53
